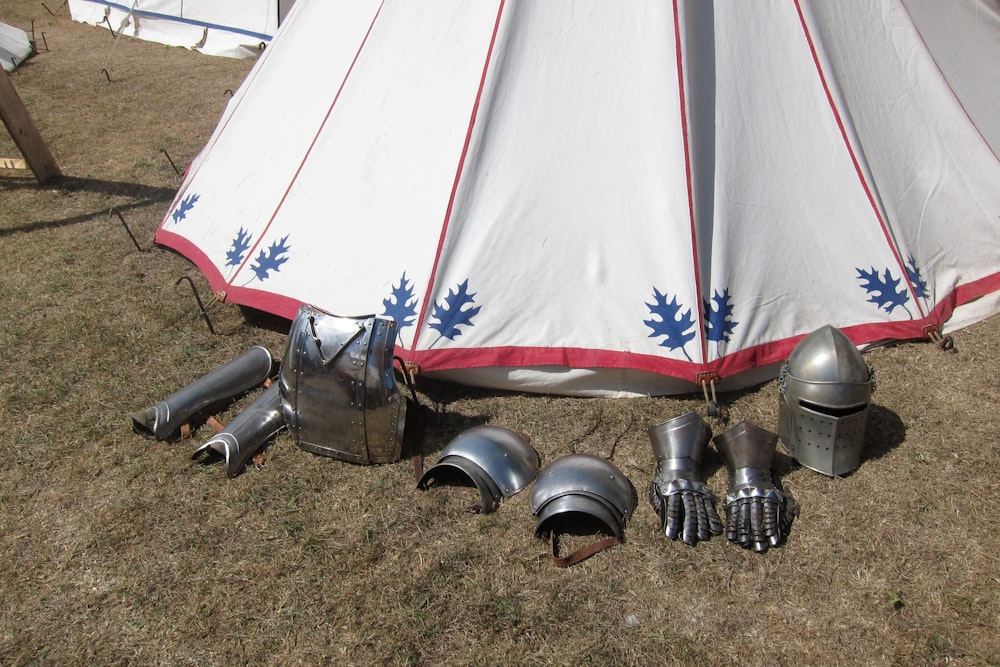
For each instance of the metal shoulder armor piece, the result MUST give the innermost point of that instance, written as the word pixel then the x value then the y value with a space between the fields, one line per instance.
pixel 248 432
pixel 582 484
pixel 498 461
pixel 824 399
pixel 164 420
pixel 338 391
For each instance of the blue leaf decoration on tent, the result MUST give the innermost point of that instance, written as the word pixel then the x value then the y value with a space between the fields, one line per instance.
pixel 672 325
pixel 719 324
pixel 241 243
pixel 449 313
pixel 270 259
pixel 401 305
pixel 913 273
pixel 180 213
pixel 884 290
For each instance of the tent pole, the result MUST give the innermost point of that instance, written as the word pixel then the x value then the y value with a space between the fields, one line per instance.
pixel 22 130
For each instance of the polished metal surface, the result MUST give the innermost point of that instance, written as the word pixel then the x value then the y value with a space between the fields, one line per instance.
pixel 247 434
pixel 757 515
pixel 338 390
pixel 586 484
pixel 164 419
pixel 825 390
pixel 678 494
pixel 497 460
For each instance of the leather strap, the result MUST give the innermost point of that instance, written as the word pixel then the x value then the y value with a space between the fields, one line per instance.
pixel 580 554
pixel 419 424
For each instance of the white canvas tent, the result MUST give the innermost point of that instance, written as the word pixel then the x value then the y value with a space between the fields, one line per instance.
pixel 589 197
pixel 233 28
pixel 15 47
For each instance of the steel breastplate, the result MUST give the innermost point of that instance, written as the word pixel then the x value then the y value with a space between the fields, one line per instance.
pixel 338 392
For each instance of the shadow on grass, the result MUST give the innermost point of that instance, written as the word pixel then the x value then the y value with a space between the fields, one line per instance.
pixel 143 195
pixel 886 431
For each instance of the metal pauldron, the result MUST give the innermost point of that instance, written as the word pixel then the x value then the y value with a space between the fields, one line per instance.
pixel 338 391
pixel 498 461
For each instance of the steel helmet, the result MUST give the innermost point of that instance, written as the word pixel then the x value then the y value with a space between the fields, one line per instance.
pixel 825 388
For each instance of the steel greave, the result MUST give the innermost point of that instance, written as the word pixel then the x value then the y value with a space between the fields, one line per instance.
pixel 164 419
pixel 248 432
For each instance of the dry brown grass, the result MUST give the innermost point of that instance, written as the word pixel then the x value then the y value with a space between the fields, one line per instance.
pixel 117 550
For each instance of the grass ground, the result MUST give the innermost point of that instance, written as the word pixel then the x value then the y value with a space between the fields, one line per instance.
pixel 119 550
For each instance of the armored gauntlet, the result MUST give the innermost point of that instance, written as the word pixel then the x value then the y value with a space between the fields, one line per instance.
pixel 758 514
pixel 678 492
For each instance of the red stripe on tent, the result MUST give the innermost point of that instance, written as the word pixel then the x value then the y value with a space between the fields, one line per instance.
pixel 963 294
pixel 312 144
pixel 458 177
pixel 190 175
pixel 690 187
pixel 562 357
pixel 731 365
pixel 854 159
pixel 583 358
pixel 515 357
pixel 277 304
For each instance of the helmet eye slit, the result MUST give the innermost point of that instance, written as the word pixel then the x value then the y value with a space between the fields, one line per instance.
pixel 831 411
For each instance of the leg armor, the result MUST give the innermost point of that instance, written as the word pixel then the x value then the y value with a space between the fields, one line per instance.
pixel 248 432
pixel 163 421
pixel 338 391
pixel 678 492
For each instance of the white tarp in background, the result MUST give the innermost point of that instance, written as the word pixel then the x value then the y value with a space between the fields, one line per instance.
pixel 591 197
pixel 15 47
pixel 233 28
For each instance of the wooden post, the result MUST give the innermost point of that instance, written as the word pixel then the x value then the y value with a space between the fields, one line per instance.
pixel 24 133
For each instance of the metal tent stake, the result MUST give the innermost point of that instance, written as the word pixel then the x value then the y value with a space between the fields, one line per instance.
pixel 201 306
pixel 176 170
pixel 944 343
pixel 128 231
pixel 61 5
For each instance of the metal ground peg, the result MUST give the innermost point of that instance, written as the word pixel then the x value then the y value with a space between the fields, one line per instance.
pixel 61 5
pixel 128 231
pixel 34 40
pixel 944 343
pixel 202 308
pixel 171 161
pixel 707 382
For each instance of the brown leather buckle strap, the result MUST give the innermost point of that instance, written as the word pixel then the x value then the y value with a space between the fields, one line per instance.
pixel 580 554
